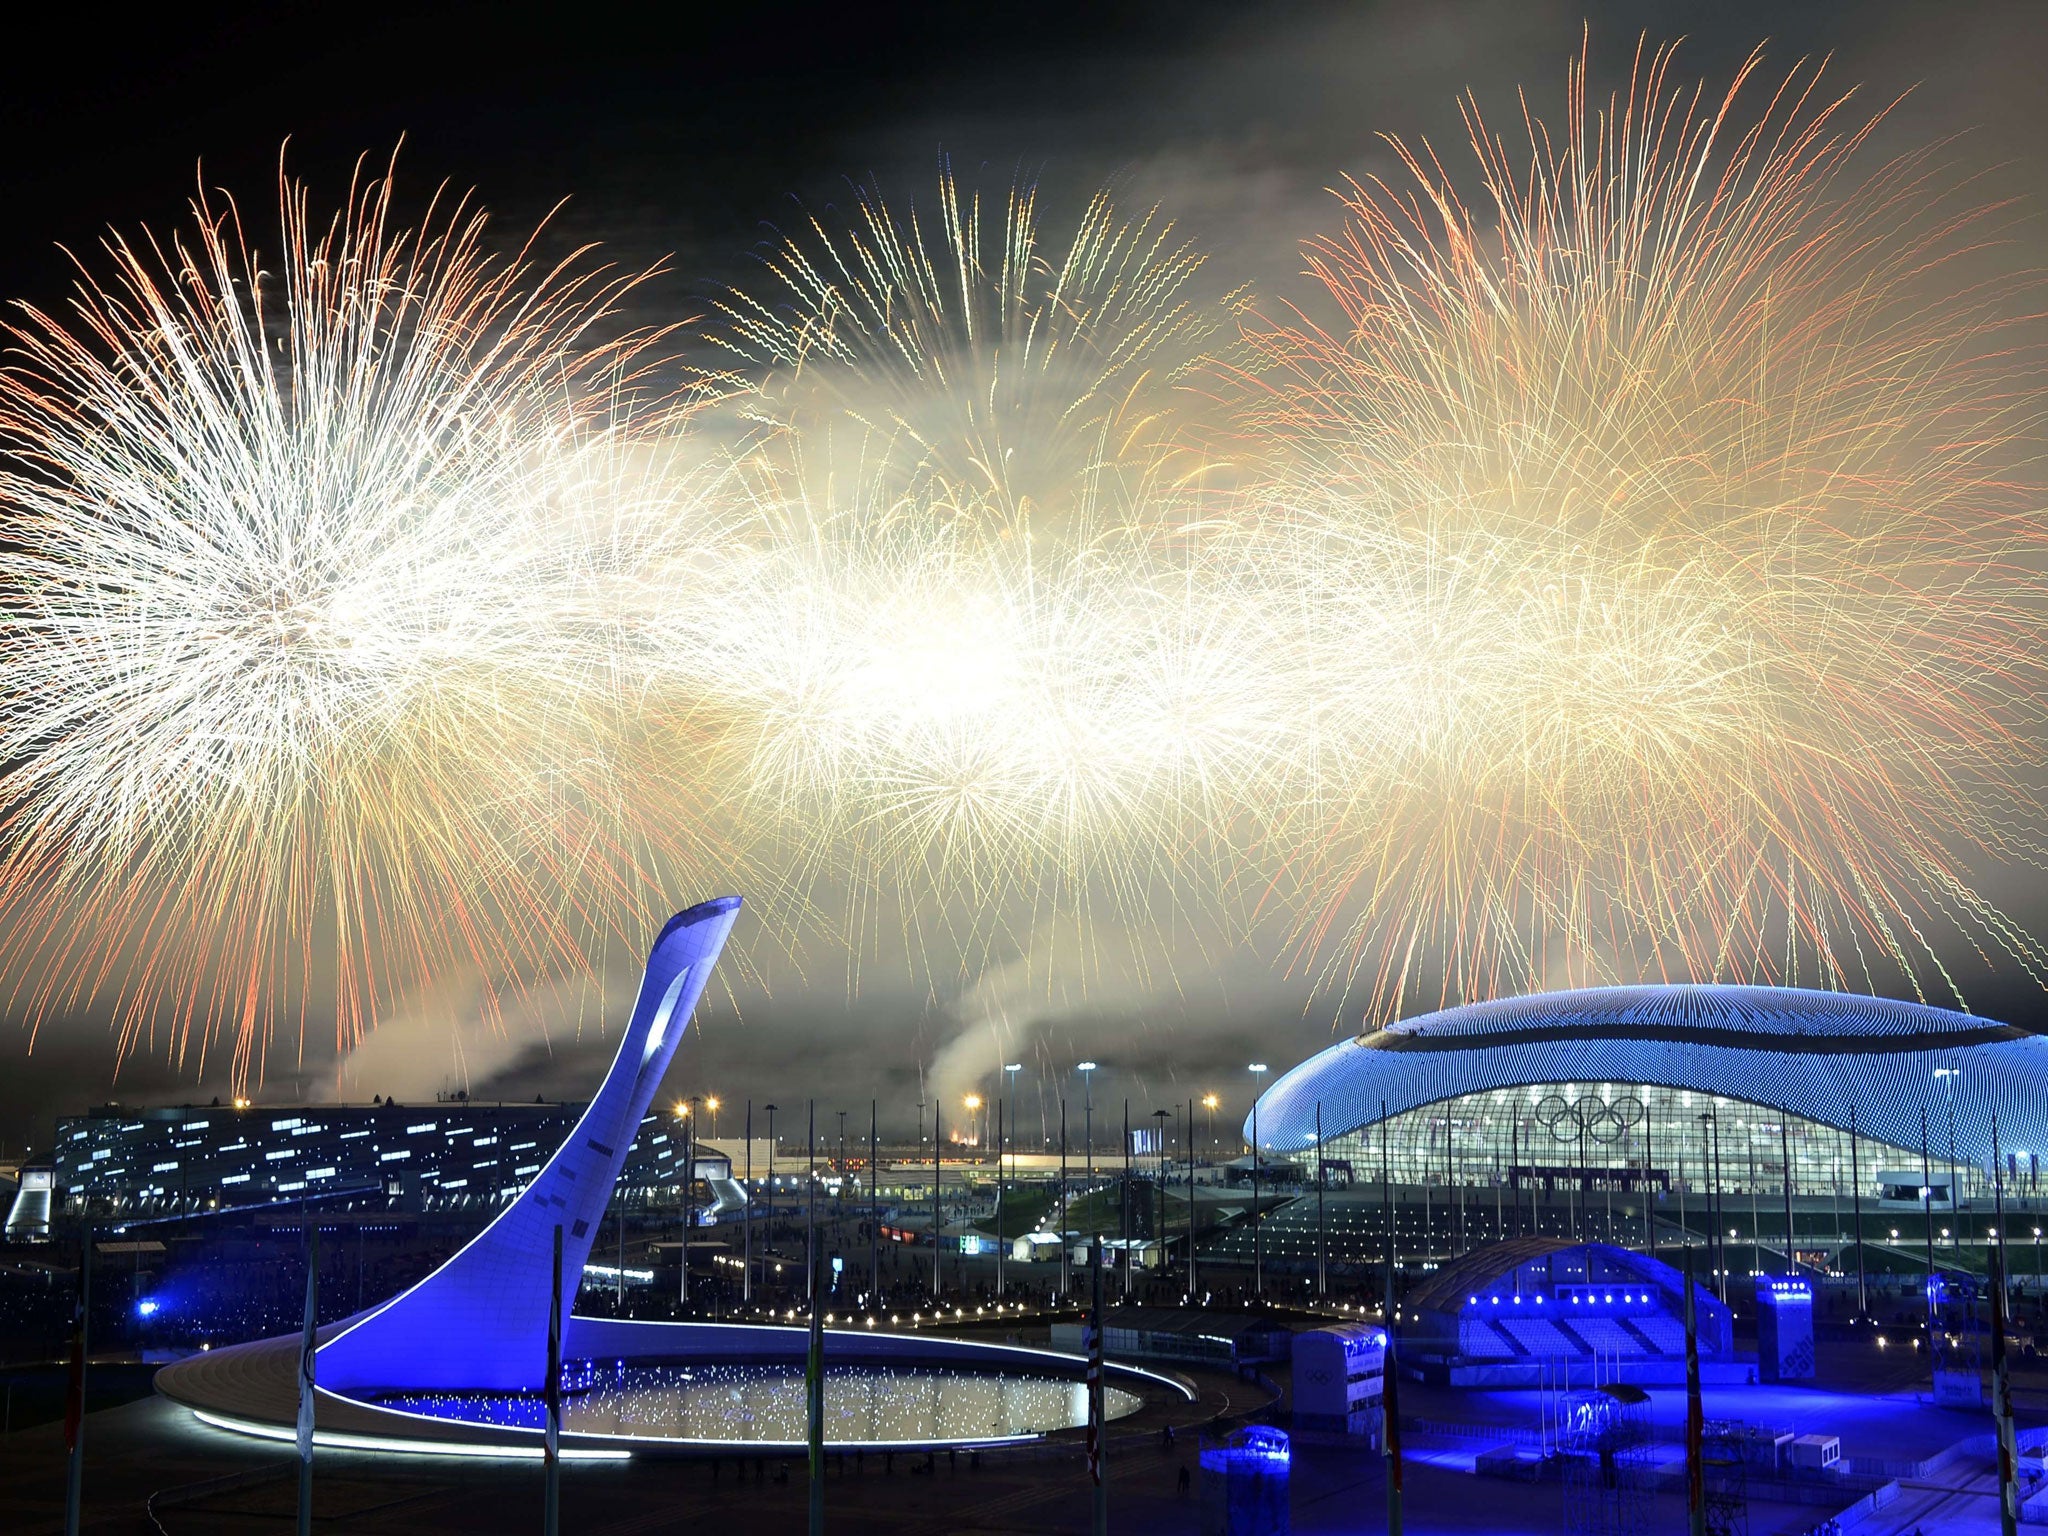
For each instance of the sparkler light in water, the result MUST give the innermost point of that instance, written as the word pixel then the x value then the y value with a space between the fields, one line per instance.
pixel 1667 605
pixel 298 562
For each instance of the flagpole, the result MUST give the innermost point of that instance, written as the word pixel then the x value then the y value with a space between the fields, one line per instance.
pixel 811 1200
pixel 747 1237
pixel 551 1448
pixel 1097 1427
pixel 1390 1408
pixel 874 1205
pixel 1191 1201
pixel 1002 1146
pixel 1856 1194
pixel 2001 1378
pixel 814 1351
pixel 814 1412
pixel 306 1348
pixel 1322 1219
pixel 1060 1210
pixel 1695 1423
pixel 1126 1289
pixel 74 1405
pixel 689 1217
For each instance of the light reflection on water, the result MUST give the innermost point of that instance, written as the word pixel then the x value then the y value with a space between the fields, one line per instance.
pixel 741 1403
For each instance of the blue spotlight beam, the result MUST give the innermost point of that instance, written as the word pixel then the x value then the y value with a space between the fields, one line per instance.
pixel 480 1321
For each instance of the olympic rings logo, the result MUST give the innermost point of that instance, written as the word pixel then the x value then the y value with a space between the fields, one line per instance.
pixel 1591 1116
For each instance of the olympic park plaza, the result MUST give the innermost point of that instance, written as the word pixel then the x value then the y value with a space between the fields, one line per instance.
pixel 1552 1167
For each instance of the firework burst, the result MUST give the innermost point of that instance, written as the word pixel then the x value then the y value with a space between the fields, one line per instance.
pixel 1621 570
pixel 956 633
pixel 1662 488
pixel 299 580
pixel 965 360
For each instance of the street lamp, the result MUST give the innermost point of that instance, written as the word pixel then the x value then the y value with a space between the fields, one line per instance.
pixel 972 1104
pixel 1087 1071
pixel 1211 1103
pixel 1258 1072
pixel 712 1105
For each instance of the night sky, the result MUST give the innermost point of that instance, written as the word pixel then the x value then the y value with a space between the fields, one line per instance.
pixel 686 133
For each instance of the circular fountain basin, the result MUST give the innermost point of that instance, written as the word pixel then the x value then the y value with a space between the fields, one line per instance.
pixel 681 1388
pixel 763 1404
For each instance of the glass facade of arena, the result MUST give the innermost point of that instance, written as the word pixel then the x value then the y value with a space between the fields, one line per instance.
pixel 1589 1161
pixel 1609 1137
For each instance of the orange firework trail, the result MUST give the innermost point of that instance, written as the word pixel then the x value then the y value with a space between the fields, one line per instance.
pixel 300 700
pixel 1624 568
pixel 1663 488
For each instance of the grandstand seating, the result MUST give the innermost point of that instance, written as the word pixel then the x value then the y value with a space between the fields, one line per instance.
pixel 1666 1333
pixel 1606 1336
pixel 1477 1340
pixel 1488 1338
pixel 1540 1337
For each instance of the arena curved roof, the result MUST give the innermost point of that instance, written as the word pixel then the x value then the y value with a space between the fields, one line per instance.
pixel 1450 1286
pixel 1815 1055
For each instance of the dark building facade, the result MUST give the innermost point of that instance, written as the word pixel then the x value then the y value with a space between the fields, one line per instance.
pixel 120 1160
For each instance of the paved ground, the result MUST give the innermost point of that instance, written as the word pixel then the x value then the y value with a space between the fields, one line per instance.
pixel 155 1448
pixel 1899 1426
pixel 153 1452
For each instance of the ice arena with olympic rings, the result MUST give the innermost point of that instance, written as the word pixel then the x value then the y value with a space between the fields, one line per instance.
pixel 1659 1115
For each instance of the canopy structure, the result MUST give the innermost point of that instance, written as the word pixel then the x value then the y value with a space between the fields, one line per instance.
pixel 1817 1056
pixel 1502 1301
